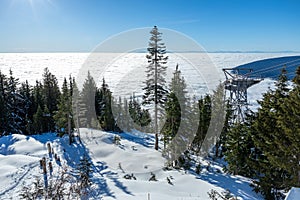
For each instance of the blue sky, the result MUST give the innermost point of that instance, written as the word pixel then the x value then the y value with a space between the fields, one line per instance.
pixel 217 25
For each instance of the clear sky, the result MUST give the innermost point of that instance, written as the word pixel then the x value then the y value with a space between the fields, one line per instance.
pixel 218 25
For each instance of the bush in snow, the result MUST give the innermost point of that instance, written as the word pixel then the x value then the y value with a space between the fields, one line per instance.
pixel 152 178
pixel 117 140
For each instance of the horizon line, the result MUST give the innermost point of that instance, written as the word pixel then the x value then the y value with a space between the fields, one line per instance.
pixel 145 51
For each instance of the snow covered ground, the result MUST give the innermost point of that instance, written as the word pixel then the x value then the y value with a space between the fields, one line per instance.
pixel 20 155
pixel 293 194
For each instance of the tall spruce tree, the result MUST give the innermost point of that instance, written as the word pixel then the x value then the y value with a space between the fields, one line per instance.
pixel 3 105
pixel 38 121
pixel 270 176
pixel 141 117
pixel 288 142
pixel 103 105
pixel 64 116
pixel 14 102
pixel 204 105
pixel 51 94
pixel 28 110
pixel 78 108
pixel 176 106
pixel 155 91
pixel 88 101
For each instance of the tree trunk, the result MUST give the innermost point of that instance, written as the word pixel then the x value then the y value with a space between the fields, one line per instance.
pixel 69 129
pixel 155 99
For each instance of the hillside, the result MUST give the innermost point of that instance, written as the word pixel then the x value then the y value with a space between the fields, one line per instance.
pixel 134 154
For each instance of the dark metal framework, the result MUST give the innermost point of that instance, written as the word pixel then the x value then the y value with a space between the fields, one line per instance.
pixel 237 82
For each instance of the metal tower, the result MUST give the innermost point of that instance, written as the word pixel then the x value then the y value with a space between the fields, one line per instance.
pixel 237 82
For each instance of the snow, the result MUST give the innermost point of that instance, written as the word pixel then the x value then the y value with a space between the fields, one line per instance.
pixel 294 194
pixel 20 155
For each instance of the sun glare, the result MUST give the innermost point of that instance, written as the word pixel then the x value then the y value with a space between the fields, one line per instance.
pixel 34 5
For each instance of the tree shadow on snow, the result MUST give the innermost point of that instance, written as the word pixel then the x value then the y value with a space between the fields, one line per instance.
pixel 71 155
pixel 113 176
pixel 237 186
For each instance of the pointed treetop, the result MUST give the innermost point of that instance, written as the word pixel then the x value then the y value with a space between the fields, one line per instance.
pixel 296 79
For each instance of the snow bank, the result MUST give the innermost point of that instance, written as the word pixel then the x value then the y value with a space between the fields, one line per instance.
pixel 294 194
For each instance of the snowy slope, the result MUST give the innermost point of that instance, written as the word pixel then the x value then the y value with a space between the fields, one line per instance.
pixel 19 161
pixel 294 194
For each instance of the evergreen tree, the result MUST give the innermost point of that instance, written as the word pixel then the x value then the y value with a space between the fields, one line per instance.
pixel 39 124
pixel 140 116
pixel 176 106
pixel 270 134
pixel 204 120
pixel 180 125
pixel 240 149
pixel 220 148
pixel 218 124
pixel 38 109
pixel 51 96
pixel 126 122
pixel 173 118
pixel 104 108
pixel 118 111
pixel 78 108
pixel 155 90
pixel 88 101
pixel 64 117
pixel 14 102
pixel 84 172
pixel 28 108
pixel 3 105
pixel 287 155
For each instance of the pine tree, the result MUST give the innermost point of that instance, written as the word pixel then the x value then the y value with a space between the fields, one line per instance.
pixel 104 108
pixel 64 116
pixel 3 105
pixel 78 108
pixel 204 117
pixel 88 101
pixel 180 125
pixel 84 172
pixel 155 90
pixel 270 134
pixel 141 117
pixel 51 96
pixel 240 149
pixel 176 106
pixel 288 142
pixel 14 102
pixel 173 118
pixel 39 124
pixel 220 148
pixel 28 107
pixel 218 124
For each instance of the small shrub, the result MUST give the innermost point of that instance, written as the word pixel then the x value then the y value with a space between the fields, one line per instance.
pixel 152 178
pixel 198 169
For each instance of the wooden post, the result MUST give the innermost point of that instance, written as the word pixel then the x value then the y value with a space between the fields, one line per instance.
pixel 44 166
pixel 50 168
pixel 49 148
pixel 41 164
pixel 69 129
